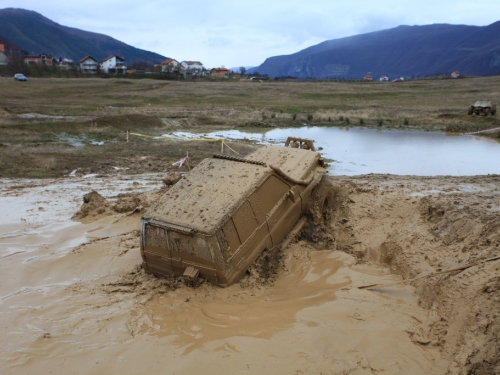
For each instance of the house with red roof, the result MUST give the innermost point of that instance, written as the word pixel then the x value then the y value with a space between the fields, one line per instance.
pixel 4 60
pixel 220 72
pixel 170 66
pixel 455 74
pixel 42 59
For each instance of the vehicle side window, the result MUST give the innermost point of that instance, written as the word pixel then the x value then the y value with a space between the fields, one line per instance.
pixel 156 237
pixel 228 239
pixel 245 221
pixel 267 195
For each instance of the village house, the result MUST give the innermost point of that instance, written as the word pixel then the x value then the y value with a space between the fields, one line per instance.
pixel 368 77
pixel 455 74
pixel 170 66
pixel 89 65
pixel 42 59
pixel 383 78
pixel 219 73
pixel 192 68
pixel 4 60
pixel 113 65
pixel 65 63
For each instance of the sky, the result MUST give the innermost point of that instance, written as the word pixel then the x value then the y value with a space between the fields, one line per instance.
pixel 232 34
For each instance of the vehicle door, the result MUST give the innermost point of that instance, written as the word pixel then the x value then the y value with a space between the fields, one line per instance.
pixel 273 202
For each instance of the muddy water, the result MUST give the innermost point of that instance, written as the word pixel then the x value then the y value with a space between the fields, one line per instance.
pixel 72 302
pixel 357 151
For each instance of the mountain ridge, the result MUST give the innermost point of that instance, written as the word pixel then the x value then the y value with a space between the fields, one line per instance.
pixel 38 34
pixel 400 51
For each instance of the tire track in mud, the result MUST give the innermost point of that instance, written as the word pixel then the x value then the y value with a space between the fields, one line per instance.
pixel 460 289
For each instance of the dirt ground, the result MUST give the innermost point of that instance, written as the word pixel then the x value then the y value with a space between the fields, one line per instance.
pixel 74 299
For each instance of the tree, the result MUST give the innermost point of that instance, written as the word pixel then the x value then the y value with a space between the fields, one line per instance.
pixel 243 70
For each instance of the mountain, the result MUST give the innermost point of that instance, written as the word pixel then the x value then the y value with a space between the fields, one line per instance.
pixel 400 51
pixel 38 34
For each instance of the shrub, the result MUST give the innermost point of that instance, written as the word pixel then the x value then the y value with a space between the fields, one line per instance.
pixel 294 117
pixel 347 121
pixel 380 122
pixel 361 121
pixel 407 121
pixel 309 117
pixel 341 118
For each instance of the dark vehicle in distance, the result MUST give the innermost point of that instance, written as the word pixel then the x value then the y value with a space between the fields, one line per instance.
pixel 482 108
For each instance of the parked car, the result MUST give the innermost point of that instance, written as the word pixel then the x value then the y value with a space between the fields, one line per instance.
pixel 20 77
pixel 214 223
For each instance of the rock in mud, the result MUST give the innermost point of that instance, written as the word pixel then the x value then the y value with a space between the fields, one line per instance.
pixel 94 204
pixel 171 179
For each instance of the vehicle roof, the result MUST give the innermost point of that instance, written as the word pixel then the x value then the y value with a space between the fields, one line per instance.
pixel 208 194
pixel 204 199
pixel 482 103
pixel 295 162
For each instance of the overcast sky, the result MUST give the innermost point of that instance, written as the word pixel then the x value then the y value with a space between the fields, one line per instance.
pixel 232 34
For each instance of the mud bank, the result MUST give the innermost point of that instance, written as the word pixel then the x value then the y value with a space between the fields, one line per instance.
pixel 74 299
pixel 416 226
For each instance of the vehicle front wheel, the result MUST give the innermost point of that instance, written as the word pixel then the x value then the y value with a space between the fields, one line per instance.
pixel 486 111
pixel 322 202
pixel 471 110
pixel 320 212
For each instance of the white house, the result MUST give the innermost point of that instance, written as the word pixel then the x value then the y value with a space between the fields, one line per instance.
pixel 192 68
pixel 113 65
pixel 383 78
pixel 192 65
pixel 89 65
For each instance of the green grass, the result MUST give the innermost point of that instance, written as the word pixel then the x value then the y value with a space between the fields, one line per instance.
pixel 34 145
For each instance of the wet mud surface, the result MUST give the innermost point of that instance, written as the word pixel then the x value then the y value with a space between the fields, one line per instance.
pixel 74 299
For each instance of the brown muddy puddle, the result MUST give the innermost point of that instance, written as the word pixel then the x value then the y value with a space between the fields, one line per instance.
pixel 72 308
pixel 207 313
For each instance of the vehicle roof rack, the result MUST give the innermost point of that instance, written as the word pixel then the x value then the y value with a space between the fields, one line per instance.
pixel 241 160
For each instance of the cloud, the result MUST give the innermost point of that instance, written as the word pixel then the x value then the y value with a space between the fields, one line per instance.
pixel 224 32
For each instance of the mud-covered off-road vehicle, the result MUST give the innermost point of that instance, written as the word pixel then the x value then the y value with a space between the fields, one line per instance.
pixel 483 108
pixel 215 222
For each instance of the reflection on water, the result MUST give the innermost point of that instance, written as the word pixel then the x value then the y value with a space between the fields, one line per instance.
pixel 361 151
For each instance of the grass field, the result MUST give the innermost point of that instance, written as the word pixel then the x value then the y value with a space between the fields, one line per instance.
pixel 41 120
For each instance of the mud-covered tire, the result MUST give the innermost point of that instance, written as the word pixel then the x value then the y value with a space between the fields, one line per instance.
pixel 146 268
pixel 322 202
pixel 470 111
pixel 320 212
